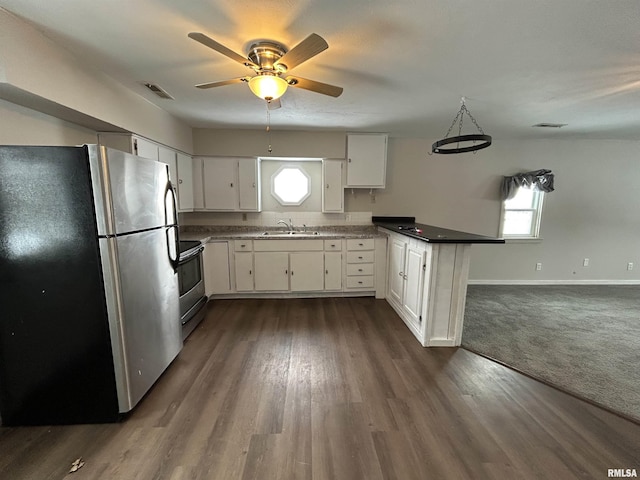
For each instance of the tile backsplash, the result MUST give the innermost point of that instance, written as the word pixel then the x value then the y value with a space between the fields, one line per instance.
pixel 271 218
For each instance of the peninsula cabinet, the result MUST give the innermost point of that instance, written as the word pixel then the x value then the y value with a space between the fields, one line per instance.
pixel 366 160
pixel 229 184
pixel 426 286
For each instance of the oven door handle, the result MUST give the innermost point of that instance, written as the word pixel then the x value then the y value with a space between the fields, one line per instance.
pixel 188 255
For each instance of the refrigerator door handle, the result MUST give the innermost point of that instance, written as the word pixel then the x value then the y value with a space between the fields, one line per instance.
pixel 174 205
pixel 174 261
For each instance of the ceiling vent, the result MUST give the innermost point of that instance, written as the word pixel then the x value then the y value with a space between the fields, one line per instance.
pixel 159 91
pixel 550 125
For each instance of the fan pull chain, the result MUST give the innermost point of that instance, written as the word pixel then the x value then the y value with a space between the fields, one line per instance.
pixel 269 149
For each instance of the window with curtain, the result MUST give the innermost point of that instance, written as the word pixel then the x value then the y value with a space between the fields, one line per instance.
pixel 522 214
pixel 522 196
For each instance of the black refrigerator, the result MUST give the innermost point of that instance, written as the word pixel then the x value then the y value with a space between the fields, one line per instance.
pixel 89 302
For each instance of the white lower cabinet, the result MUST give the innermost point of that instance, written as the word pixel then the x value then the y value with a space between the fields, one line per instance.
pixel 217 275
pixel 333 271
pixel 307 271
pixel 296 266
pixel 426 286
pixel 271 271
pixel 244 271
pixel 407 266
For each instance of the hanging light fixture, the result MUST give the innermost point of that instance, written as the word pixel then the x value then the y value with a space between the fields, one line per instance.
pixel 267 86
pixel 463 143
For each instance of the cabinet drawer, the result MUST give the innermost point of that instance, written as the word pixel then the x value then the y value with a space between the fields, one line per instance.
pixel 360 244
pixel 243 245
pixel 333 245
pixel 360 257
pixel 360 282
pixel 360 269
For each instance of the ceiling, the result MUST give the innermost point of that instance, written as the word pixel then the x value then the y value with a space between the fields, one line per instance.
pixel 404 65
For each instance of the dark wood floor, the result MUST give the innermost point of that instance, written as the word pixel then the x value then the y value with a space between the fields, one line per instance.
pixel 330 389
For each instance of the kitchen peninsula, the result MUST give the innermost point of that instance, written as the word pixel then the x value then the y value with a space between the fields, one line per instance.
pixel 427 271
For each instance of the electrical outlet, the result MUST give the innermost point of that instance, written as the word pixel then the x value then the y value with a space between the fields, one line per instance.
pixel 585 262
pixel 630 266
pixel 347 217
pixel 538 266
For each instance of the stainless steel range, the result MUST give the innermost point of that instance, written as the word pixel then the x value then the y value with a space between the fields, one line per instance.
pixel 193 301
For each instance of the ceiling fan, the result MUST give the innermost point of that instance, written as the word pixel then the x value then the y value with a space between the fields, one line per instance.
pixel 271 61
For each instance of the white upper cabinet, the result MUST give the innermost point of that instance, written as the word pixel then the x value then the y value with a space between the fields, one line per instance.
pixel 248 184
pixel 228 184
pixel 366 160
pixel 180 168
pixel 220 184
pixel 332 186
pixel 185 182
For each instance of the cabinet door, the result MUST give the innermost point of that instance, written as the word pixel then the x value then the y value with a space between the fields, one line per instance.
pixel 145 148
pixel 244 271
pixel 307 271
pixel 216 268
pixel 397 250
pixel 198 183
pixel 333 271
pixel 249 184
pixel 220 186
pixel 332 191
pixel 366 160
pixel 271 271
pixel 414 278
pixel 168 156
pixel 185 182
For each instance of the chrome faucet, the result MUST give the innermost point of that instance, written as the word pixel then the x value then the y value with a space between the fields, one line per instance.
pixel 288 225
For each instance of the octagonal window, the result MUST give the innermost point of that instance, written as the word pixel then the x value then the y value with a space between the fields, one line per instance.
pixel 290 185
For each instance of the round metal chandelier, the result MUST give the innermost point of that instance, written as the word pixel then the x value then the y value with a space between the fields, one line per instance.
pixel 463 143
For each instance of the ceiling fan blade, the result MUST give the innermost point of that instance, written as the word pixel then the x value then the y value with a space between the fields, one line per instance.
pixel 223 82
pixel 274 104
pixel 318 87
pixel 309 47
pixel 218 47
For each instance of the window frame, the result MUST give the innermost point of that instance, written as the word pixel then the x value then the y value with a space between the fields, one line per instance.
pixel 534 230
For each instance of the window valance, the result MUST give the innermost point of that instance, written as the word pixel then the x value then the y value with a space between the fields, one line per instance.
pixel 541 180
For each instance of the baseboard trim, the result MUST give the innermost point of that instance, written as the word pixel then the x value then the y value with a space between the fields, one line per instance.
pixel 553 282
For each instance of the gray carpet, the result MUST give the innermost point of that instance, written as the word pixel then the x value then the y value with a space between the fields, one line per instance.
pixel 582 339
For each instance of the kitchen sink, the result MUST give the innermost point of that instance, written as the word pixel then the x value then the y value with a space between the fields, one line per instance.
pixel 280 233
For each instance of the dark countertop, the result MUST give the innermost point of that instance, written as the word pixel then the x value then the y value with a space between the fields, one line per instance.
pixel 430 233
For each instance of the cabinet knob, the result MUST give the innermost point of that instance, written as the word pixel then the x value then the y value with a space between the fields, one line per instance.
pixel 249 272
pixel 404 276
pixel 349 160
pixel 327 272
pixel 359 269
pixel 361 244
pixel 180 180
pixel 359 258
pixel 400 273
pixel 327 185
pixel 254 184
pixel 231 185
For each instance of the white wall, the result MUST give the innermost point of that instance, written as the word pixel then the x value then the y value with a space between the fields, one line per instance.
pixel 22 126
pixel 592 214
pixel 33 67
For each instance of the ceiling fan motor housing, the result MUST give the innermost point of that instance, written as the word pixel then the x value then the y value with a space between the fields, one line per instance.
pixel 265 54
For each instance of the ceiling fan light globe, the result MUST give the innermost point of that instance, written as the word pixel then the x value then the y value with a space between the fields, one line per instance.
pixel 268 87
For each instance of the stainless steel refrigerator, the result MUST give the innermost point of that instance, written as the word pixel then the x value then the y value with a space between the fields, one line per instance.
pixel 89 301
